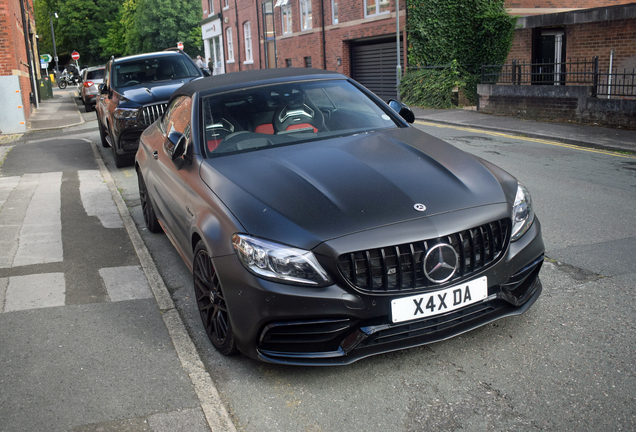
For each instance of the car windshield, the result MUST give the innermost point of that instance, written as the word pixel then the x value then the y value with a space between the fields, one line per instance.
pixel 152 70
pixel 290 113
pixel 95 74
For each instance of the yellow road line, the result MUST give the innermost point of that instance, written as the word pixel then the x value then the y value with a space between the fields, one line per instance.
pixel 537 140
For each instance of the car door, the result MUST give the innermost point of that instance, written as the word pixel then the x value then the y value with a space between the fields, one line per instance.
pixel 169 179
pixel 100 103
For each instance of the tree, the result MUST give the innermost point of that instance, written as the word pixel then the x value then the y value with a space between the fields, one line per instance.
pixel 162 23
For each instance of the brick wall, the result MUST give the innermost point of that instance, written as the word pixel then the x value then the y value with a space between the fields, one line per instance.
pixel 13 55
pixel 598 39
pixel 583 4
pixel 521 50
pixel 246 12
pixel 352 25
pixel 586 41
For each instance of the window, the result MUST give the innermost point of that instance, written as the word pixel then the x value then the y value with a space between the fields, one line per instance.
pixel 247 34
pixel 288 63
pixel 305 14
pixel 210 7
pixel 334 11
pixel 307 62
pixel 226 4
pixel 230 45
pixel 286 18
pixel 375 7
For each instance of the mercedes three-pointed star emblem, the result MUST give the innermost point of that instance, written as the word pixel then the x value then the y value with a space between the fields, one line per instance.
pixel 440 263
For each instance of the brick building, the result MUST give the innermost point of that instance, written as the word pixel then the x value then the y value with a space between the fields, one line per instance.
pixel 578 29
pixel 17 51
pixel 354 37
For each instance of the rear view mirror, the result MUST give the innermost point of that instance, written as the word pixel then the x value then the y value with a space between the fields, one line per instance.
pixel 102 88
pixel 403 110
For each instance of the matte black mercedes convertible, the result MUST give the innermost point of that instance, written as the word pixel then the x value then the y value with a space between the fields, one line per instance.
pixel 321 228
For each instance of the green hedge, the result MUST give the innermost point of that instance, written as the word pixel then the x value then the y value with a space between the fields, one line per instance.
pixel 454 32
pixel 431 88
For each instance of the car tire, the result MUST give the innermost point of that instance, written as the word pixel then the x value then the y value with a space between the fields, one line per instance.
pixel 211 302
pixel 102 136
pixel 88 107
pixel 150 217
pixel 121 161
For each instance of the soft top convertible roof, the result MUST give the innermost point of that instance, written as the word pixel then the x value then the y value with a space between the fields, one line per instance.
pixel 236 80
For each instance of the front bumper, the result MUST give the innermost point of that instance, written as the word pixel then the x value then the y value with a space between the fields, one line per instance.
pixel 339 324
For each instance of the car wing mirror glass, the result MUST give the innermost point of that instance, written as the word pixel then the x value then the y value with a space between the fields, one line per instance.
pixel 176 148
pixel 403 110
pixel 102 88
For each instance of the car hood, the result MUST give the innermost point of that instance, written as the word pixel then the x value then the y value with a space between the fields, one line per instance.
pixel 146 93
pixel 308 193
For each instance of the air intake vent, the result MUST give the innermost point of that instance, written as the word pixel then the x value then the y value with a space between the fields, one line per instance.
pixel 400 267
pixel 149 114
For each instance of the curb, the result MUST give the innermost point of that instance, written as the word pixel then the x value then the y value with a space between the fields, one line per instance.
pixel 594 145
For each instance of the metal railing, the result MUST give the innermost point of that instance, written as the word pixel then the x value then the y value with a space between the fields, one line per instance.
pixel 577 72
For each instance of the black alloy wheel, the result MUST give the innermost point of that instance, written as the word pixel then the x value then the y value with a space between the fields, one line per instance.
pixel 211 303
pixel 150 217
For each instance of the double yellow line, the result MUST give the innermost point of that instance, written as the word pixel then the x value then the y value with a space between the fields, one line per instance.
pixel 537 140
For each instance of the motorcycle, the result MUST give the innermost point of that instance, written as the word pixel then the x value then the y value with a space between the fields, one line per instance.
pixel 66 80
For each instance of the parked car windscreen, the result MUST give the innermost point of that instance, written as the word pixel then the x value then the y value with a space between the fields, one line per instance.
pixel 95 74
pixel 289 113
pixel 152 70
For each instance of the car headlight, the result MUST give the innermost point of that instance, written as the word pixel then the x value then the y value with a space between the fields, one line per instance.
pixel 278 262
pixel 126 113
pixel 522 213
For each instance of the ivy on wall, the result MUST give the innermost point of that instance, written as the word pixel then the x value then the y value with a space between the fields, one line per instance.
pixel 470 32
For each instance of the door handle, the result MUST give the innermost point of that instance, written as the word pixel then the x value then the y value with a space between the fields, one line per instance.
pixel 155 154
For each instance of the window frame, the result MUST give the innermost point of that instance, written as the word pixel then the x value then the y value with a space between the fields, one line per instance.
pixel 377 8
pixel 334 12
pixel 210 7
pixel 286 22
pixel 306 16
pixel 230 45
pixel 247 36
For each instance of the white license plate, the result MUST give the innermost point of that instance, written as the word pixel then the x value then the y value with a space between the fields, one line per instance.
pixel 439 302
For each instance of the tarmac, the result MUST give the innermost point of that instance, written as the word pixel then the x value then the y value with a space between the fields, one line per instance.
pixel 108 356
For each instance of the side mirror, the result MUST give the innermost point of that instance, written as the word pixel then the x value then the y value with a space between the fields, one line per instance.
pixel 102 89
pixel 206 72
pixel 176 151
pixel 403 110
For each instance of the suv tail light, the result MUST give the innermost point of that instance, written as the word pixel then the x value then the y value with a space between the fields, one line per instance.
pixel 88 83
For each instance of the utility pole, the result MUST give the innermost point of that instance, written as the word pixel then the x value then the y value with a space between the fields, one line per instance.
pixel 57 68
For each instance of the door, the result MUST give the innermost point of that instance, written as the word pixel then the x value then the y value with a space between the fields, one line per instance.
pixel 374 66
pixel 549 57
pixel 167 182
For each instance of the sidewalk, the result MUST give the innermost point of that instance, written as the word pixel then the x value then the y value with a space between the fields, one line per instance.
pixel 570 133
pixel 90 338
pixel 57 113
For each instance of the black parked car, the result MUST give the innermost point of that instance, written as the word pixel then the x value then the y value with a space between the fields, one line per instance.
pixel 135 93
pixel 321 228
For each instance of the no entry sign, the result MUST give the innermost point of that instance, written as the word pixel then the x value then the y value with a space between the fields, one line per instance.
pixel 75 55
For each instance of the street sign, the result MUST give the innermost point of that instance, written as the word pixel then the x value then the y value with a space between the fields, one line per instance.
pixel 75 55
pixel 44 65
pixel 180 45
pixel 46 58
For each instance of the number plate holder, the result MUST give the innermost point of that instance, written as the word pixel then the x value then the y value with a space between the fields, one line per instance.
pixel 439 302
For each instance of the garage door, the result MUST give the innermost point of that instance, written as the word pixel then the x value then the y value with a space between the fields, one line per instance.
pixel 373 66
